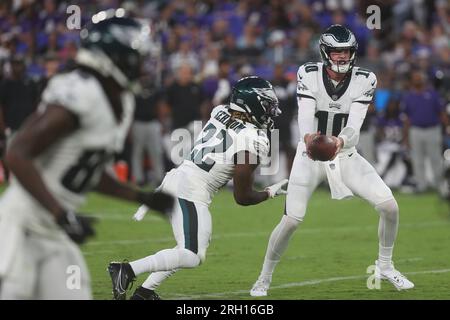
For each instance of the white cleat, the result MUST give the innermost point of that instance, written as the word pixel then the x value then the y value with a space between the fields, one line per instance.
pixel 394 276
pixel 260 287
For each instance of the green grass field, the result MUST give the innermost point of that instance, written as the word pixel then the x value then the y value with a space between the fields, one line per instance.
pixel 327 257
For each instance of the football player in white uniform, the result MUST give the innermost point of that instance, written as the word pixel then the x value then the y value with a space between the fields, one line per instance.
pixel 229 146
pixel 333 97
pixel 62 152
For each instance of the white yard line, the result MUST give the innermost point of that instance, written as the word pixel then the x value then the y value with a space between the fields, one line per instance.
pixel 296 284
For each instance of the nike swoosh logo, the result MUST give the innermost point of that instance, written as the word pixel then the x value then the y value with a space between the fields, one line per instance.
pixel 350 155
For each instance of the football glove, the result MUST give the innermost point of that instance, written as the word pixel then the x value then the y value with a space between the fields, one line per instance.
pixel 277 188
pixel 77 227
pixel 140 213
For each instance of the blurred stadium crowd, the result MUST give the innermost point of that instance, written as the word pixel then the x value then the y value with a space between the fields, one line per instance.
pixel 206 46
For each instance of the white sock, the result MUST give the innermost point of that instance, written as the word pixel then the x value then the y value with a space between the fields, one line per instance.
pixel 387 231
pixel 268 267
pixel 278 242
pixel 155 279
pixel 385 256
pixel 166 260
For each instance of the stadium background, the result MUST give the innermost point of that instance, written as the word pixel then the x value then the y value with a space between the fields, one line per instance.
pixel 206 46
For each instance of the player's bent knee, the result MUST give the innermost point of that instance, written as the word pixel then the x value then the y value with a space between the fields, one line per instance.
pixel 190 258
pixel 295 210
pixel 389 208
pixel 291 223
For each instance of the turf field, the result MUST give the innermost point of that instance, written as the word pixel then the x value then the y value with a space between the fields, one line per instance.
pixel 326 259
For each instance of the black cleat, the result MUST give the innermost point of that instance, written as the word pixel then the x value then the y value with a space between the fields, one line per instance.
pixel 142 293
pixel 122 276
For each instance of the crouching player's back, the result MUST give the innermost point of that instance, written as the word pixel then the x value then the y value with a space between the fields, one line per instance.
pixel 226 142
pixel 231 145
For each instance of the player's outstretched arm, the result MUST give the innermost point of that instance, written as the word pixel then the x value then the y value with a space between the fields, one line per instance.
pixel 243 182
pixel 158 201
pixel 39 132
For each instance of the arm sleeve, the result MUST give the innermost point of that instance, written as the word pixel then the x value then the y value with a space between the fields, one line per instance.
pixel 306 102
pixel 358 111
pixel 306 111
pixel 350 134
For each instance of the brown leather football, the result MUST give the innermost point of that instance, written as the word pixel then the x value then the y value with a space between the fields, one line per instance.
pixel 322 148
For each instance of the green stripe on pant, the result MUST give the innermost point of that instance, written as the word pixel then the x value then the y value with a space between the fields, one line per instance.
pixel 190 225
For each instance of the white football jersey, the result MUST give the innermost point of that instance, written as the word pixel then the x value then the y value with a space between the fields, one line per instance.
pixel 74 164
pixel 333 103
pixel 212 160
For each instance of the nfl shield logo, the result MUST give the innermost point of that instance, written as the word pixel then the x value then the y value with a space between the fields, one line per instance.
pixel 334 97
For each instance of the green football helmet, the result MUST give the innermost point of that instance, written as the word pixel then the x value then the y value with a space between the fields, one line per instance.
pixel 336 38
pixel 256 97
pixel 115 46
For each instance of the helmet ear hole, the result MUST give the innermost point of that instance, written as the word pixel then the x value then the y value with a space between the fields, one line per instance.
pixel 265 104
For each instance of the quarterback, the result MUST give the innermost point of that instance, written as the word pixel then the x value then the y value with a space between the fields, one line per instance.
pixel 333 97
pixel 231 145
pixel 61 153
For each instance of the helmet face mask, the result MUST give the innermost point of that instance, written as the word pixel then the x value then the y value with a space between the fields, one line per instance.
pixel 337 38
pixel 256 96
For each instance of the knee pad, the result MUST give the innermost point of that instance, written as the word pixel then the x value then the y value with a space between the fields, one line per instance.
pixel 389 209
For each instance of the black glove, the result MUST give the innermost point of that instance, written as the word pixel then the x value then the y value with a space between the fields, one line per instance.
pixel 78 227
pixel 158 201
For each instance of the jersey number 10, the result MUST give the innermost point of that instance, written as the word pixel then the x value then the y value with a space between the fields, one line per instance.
pixel 330 123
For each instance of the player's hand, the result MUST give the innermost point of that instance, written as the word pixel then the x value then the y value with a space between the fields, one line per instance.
pixel 339 144
pixel 310 136
pixel 140 213
pixel 277 188
pixel 77 227
pixel 158 201
pixel 307 139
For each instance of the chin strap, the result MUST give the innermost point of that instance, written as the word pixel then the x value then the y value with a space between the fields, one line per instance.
pixel 343 68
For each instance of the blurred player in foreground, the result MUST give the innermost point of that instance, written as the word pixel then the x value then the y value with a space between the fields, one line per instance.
pixel 62 152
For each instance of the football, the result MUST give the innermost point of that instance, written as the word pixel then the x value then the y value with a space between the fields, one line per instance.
pixel 321 148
